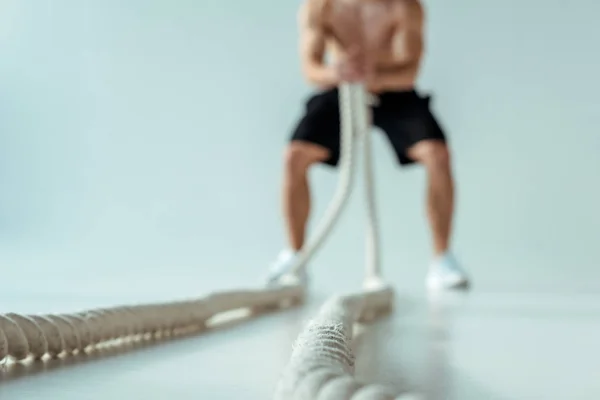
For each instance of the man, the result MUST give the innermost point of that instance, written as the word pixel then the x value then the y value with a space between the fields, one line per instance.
pixel 378 43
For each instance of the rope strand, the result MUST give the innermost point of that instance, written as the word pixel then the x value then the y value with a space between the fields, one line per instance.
pixel 60 335
pixel 322 363
pixel 344 188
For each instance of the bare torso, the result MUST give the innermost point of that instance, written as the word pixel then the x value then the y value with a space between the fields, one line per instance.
pixel 379 26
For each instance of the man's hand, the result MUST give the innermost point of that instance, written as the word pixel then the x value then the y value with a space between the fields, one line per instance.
pixel 351 67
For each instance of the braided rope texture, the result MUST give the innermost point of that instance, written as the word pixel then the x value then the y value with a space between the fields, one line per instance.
pixel 322 363
pixel 26 337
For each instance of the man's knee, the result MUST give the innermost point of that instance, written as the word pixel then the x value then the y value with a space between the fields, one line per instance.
pixel 433 154
pixel 299 156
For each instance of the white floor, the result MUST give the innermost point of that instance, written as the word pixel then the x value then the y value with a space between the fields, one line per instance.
pixel 480 346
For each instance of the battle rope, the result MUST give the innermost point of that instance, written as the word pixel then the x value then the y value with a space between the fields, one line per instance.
pixel 322 363
pixel 54 335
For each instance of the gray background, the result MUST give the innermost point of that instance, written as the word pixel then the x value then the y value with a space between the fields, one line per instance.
pixel 141 141
pixel 140 160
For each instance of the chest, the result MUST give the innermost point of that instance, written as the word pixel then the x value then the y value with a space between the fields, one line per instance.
pixel 370 22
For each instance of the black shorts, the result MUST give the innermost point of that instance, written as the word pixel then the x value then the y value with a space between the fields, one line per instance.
pixel 405 118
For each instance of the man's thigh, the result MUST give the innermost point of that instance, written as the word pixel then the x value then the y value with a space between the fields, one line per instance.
pixel 320 125
pixel 407 122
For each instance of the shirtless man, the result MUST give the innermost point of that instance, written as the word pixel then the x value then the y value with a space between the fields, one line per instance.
pixel 378 43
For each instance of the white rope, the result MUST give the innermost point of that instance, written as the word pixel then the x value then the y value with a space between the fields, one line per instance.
pixel 54 335
pixel 363 119
pixel 24 337
pixel 347 95
pixel 355 125
pixel 321 366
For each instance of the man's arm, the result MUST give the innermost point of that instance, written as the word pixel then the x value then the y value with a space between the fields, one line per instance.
pixel 312 47
pixel 407 44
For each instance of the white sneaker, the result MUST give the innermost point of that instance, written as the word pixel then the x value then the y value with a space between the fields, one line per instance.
pixel 280 271
pixel 446 273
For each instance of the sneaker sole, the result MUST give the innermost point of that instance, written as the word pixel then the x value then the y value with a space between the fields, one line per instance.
pixel 463 284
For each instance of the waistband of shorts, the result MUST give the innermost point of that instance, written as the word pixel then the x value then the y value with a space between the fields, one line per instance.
pixel 376 99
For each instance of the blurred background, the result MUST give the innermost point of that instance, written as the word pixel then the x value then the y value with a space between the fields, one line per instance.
pixel 141 149
pixel 142 141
